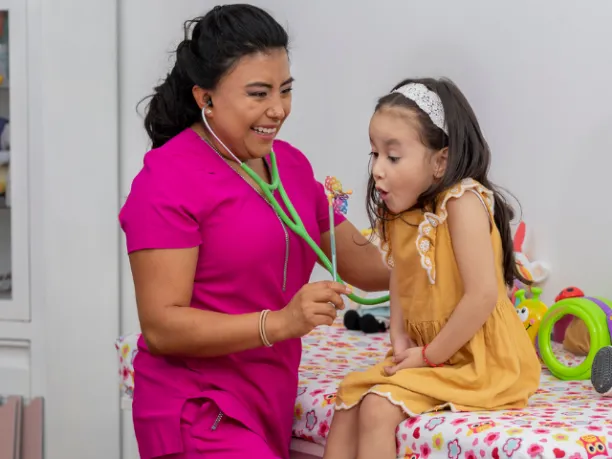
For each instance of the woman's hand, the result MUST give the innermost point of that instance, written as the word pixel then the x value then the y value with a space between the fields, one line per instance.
pixel 313 305
pixel 410 358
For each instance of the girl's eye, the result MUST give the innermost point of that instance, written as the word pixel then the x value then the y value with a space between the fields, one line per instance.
pixel 393 159
pixel 374 154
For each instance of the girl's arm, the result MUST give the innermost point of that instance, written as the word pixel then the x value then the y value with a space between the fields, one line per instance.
pixel 163 279
pixel 400 341
pixel 360 263
pixel 469 227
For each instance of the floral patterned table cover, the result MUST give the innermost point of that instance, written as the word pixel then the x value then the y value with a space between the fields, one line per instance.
pixel 565 419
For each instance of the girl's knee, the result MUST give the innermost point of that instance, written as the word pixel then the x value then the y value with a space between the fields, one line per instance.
pixel 346 414
pixel 377 412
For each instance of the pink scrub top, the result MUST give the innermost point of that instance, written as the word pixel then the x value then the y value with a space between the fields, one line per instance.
pixel 187 196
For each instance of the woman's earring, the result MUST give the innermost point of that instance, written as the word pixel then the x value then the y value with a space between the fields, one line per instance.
pixel 207 111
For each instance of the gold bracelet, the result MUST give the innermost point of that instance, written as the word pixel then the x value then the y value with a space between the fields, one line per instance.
pixel 262 327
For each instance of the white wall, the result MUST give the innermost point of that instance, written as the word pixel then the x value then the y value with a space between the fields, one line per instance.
pixel 537 74
pixel 73 93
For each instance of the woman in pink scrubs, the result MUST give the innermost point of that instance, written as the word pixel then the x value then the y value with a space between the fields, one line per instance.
pixel 222 285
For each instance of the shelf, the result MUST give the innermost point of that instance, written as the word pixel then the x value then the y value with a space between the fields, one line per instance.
pixel 14 217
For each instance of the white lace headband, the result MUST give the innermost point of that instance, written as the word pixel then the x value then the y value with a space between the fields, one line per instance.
pixel 427 100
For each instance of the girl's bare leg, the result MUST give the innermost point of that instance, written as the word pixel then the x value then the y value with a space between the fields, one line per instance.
pixel 378 421
pixel 342 439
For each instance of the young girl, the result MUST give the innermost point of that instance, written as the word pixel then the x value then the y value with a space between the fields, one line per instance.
pixel 457 341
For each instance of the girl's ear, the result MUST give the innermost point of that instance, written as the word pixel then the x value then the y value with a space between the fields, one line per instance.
pixel 440 160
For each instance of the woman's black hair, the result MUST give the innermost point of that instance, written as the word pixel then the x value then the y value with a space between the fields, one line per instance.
pixel 218 39
pixel 469 156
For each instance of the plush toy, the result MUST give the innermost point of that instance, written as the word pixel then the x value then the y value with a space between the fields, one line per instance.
pixel 534 271
pixel 368 323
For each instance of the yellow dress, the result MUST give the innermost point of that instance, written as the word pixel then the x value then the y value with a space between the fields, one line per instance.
pixel 497 369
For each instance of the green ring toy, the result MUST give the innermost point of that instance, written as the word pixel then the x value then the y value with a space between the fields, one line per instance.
pixel 596 321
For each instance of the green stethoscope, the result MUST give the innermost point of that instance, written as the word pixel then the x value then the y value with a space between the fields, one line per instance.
pixel 294 222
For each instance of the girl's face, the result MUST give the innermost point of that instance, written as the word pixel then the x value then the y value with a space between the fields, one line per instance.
pixel 250 103
pixel 402 166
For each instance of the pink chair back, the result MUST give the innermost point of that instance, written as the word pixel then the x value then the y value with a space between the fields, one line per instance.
pixel 10 427
pixel 21 428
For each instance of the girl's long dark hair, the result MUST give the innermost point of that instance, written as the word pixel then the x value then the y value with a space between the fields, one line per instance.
pixel 469 156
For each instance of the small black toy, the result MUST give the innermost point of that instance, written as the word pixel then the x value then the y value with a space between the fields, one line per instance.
pixel 366 323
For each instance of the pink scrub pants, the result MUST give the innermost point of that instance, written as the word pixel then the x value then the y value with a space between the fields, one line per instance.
pixel 207 435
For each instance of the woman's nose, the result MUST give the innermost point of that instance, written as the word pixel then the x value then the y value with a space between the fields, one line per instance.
pixel 277 110
pixel 276 113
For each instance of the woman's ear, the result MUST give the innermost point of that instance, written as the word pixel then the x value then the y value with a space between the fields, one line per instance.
pixel 201 96
pixel 440 161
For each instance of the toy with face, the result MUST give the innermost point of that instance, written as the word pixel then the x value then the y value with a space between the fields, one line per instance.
pixel 595 446
pixel 531 311
pixel 569 292
pixel 329 399
pixel 480 427
pixel 411 454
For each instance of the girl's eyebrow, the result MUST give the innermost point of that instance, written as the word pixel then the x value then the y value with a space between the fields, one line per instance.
pixel 392 142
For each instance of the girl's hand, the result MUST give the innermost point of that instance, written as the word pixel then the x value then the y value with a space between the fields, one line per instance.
pixel 401 343
pixel 410 358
